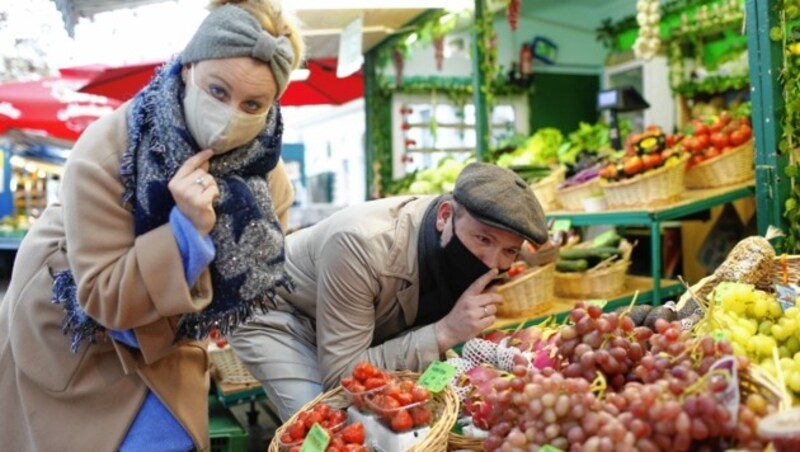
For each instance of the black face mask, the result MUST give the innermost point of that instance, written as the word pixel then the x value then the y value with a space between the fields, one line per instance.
pixel 460 267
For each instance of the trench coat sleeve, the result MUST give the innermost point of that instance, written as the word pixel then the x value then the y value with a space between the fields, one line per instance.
pixel 123 281
pixel 282 193
pixel 348 285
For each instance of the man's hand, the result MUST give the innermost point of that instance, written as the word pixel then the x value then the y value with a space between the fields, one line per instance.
pixel 474 312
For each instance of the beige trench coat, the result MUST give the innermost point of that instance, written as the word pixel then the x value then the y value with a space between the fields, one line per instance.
pixel 52 399
pixel 356 297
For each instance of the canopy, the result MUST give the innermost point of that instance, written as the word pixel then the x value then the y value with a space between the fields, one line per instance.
pixel 51 106
pixel 322 87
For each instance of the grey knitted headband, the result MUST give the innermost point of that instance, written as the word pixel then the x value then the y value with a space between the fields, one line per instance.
pixel 230 31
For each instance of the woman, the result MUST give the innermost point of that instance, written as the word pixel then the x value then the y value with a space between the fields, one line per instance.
pixel 169 225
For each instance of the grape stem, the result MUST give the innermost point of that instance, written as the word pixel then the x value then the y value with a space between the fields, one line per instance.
pixel 696 387
pixel 599 385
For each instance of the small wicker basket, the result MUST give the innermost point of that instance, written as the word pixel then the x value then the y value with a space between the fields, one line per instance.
pixel 729 168
pixel 545 189
pixel 657 187
pixel 228 368
pixel 461 442
pixel 571 198
pixel 528 294
pixel 444 407
pixel 601 283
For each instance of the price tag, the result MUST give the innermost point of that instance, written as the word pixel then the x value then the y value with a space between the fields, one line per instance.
pixel 561 225
pixel 730 396
pixel 597 302
pixel 549 448
pixel 786 295
pixel 316 440
pixel 437 376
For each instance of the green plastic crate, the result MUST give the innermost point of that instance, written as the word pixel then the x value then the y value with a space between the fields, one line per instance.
pixel 227 434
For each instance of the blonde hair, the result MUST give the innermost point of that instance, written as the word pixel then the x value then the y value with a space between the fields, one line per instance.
pixel 272 19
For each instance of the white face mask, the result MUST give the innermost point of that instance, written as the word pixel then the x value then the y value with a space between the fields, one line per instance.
pixel 214 124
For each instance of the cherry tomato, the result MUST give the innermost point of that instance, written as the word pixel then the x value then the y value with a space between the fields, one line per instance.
pixel 402 421
pixel 720 140
pixel 633 165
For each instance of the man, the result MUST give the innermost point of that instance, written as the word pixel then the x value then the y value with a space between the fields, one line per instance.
pixel 395 282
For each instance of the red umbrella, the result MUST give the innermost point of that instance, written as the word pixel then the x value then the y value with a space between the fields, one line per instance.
pixel 320 88
pixel 51 106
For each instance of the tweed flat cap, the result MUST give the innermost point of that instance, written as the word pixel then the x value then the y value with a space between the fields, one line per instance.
pixel 229 31
pixel 500 198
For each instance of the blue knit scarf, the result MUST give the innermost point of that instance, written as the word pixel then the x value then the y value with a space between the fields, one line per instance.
pixel 247 236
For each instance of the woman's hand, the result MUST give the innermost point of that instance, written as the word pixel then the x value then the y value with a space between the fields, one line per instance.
pixel 195 190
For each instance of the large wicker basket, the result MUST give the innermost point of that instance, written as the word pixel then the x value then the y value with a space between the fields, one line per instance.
pixel 729 168
pixel 571 198
pixel 545 189
pixel 657 187
pixel 602 283
pixel 444 407
pixel 529 294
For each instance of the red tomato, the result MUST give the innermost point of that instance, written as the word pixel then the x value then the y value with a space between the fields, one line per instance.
pixel 347 382
pixel 712 152
pixel 337 417
pixel 402 421
pixel 323 409
pixel 287 438
pixel 420 394
pixel 748 132
pixel 715 127
pixel 354 448
pixel 516 269
pixel 703 141
pixel 699 128
pixel 725 118
pixel 374 382
pixel 697 158
pixel 337 441
pixel 720 140
pixel 405 398
pixel 420 416
pixel 353 433
pixel 690 144
pixel 633 165
pixel 297 431
pixel 738 137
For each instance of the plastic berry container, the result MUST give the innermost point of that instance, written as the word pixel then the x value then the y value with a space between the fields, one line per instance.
pixel 401 406
pixel 783 429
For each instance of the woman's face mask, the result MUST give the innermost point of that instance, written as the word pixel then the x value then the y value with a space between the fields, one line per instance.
pixel 216 125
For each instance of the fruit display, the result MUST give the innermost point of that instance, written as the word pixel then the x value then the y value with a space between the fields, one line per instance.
pixel 440 179
pixel 614 386
pixel 541 149
pixel 373 410
pixel 588 255
pixel 332 420
pixel 401 405
pixel 365 380
pixel 644 152
pixel 709 137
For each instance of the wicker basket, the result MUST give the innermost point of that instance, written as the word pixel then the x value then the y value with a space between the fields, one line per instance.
pixel 704 287
pixel 602 283
pixel 228 368
pixel 545 189
pixel 444 407
pixel 461 442
pixel 571 198
pixel 729 168
pixel 529 294
pixel 657 187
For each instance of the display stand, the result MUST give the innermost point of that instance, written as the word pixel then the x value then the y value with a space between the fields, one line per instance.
pixel 691 202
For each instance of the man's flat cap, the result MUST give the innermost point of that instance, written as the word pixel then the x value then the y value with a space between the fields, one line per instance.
pixel 500 198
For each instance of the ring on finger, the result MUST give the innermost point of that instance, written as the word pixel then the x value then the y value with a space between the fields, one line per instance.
pixel 486 312
pixel 201 181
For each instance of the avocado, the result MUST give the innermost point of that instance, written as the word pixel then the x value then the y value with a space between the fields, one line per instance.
pixel 659 312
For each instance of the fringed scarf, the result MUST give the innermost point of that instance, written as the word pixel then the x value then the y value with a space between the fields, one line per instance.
pixel 247 236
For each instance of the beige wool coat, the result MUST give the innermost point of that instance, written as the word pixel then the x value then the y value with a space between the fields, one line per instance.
pixel 55 400
pixel 357 282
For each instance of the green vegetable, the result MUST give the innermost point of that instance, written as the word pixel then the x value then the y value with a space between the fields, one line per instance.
pixel 598 252
pixel 608 238
pixel 572 265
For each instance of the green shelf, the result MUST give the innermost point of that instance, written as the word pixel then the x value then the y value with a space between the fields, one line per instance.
pixel 691 202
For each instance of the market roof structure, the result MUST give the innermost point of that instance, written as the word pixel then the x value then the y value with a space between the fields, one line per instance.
pixel 321 25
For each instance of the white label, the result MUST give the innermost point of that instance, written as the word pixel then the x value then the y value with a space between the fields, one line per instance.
pixel 350 57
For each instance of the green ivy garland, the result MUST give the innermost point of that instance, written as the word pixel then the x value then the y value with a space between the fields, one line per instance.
pixel 790 137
